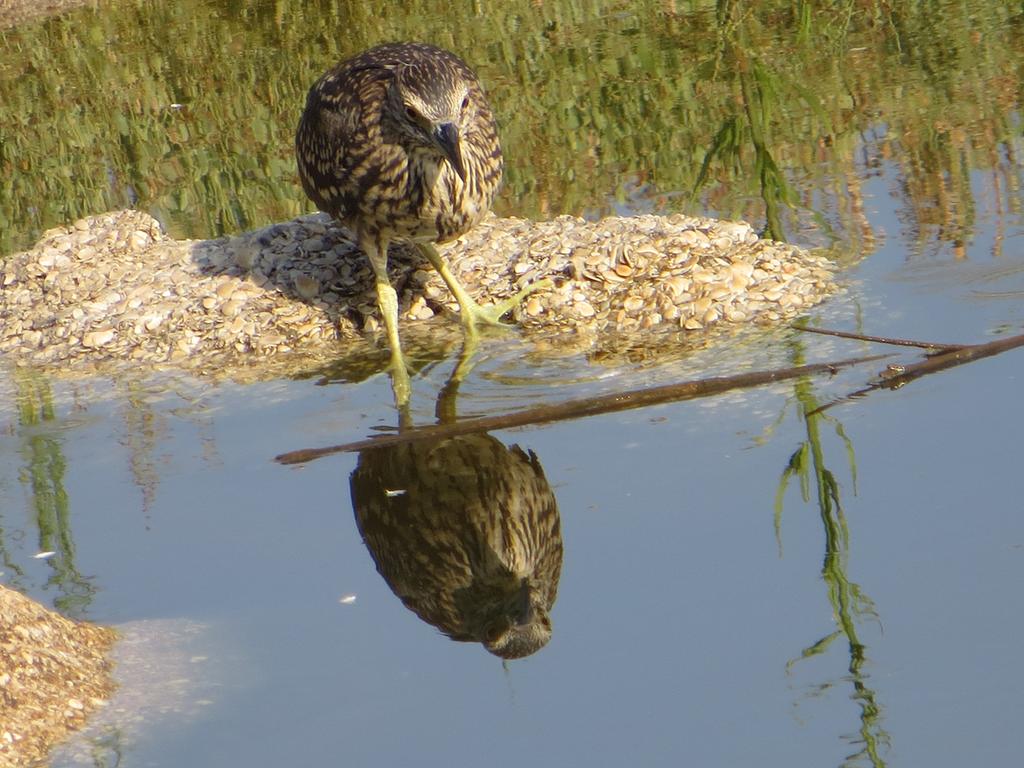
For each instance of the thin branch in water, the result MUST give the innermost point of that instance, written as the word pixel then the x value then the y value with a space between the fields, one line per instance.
pixel 882 339
pixel 948 356
pixel 575 409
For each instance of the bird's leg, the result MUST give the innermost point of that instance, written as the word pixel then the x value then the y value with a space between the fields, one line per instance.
pixel 387 300
pixel 445 407
pixel 470 312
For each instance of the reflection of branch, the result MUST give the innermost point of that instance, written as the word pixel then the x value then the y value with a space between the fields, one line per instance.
pixel 575 409
pixel 944 356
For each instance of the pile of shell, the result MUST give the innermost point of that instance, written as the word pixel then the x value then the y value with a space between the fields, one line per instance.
pixel 115 288
pixel 634 273
pixel 53 674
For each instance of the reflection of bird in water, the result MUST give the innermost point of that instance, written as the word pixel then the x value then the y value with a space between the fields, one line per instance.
pixel 466 532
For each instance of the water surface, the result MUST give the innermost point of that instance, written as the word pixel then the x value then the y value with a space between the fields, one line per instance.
pixel 742 584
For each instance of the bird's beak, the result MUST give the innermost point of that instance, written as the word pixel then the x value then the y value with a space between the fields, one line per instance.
pixel 447 137
pixel 525 606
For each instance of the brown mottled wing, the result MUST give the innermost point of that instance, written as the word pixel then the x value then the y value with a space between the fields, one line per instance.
pixel 338 135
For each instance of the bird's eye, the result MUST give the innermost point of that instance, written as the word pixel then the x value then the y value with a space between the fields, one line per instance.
pixel 412 114
pixel 494 631
pixel 465 104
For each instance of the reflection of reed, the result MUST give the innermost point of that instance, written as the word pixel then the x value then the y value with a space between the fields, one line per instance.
pixel 466 532
pixel 849 604
pixel 824 96
pixel 43 455
pixel 144 428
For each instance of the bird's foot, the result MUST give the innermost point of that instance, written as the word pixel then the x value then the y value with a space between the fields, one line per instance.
pixel 401 384
pixel 473 314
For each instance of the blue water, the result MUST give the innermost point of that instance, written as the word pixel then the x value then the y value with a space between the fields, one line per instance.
pixel 703 618
pixel 681 617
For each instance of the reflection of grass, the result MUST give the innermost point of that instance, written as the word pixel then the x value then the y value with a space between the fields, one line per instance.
pixel 732 138
pixel 162 106
pixel 43 472
pixel 762 93
pixel 849 604
pixel 142 434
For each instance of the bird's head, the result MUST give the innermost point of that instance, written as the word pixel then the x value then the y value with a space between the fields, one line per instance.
pixel 521 627
pixel 429 108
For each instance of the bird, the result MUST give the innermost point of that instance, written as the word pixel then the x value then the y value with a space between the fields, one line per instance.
pixel 399 143
pixel 466 532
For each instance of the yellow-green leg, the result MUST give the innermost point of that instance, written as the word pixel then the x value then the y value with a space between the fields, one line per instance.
pixel 444 408
pixel 387 300
pixel 470 312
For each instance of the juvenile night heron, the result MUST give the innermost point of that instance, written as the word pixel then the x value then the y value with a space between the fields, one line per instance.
pixel 399 143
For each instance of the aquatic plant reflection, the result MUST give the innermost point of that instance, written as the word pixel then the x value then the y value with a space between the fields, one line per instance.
pixel 44 467
pixel 850 605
